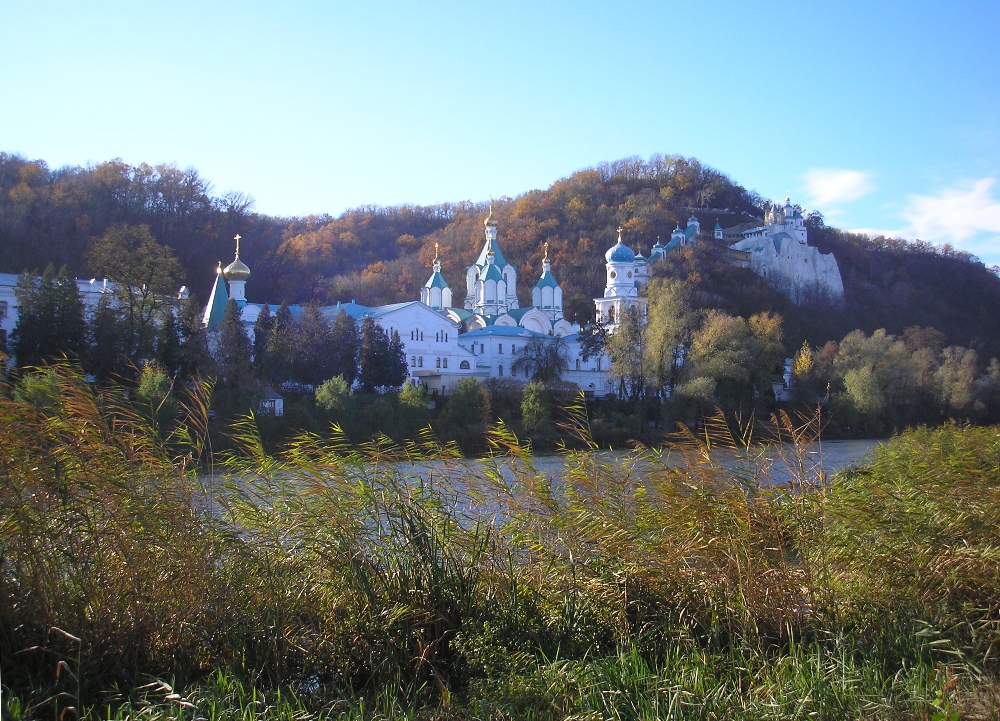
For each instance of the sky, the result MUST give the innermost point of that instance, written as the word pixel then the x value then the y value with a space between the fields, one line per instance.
pixel 882 116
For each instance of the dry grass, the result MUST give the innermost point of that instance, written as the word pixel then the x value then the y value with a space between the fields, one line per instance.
pixel 674 583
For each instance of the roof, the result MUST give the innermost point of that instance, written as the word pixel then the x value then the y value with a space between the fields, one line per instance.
pixel 498 259
pixel 674 243
pixel 518 313
pixel 503 331
pixel 547 280
pixel 216 303
pixel 271 395
pixel 436 281
pixel 237 270
pixel 619 253
pixel 462 313
pixel 493 273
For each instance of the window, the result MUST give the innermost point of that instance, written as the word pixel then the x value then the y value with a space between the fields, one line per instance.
pixel 413 360
pixel 513 349
pixel 578 364
pixel 464 365
pixel 437 337
pixel 420 362
pixel 500 371
pixel 500 348
pixel 3 309
pixel 444 362
pixel 481 348
pixel 437 363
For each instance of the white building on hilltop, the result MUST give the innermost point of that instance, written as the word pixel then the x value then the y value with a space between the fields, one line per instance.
pixel 779 252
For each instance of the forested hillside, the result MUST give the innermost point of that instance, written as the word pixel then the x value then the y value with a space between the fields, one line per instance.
pixel 380 255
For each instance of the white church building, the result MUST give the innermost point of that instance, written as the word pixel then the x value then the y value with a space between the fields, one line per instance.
pixel 483 338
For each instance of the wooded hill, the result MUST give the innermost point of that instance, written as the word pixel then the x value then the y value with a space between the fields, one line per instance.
pixel 381 254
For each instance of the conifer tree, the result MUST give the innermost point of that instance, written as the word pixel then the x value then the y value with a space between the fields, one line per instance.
pixel 105 357
pixel 281 346
pixel 383 363
pixel 236 388
pixel 346 342
pixel 50 317
pixel 169 342
pixel 196 361
pixel 262 328
pixel 313 347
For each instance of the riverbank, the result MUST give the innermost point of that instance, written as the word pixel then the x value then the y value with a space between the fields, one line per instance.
pixel 329 582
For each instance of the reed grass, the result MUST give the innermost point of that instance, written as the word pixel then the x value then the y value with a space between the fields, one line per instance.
pixel 405 581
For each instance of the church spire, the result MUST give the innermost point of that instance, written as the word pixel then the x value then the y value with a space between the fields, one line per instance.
pixel 436 292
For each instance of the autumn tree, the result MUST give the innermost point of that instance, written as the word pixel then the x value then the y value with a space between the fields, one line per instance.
pixel 626 349
pixel 536 408
pixel 668 330
pixel 541 359
pixel 146 276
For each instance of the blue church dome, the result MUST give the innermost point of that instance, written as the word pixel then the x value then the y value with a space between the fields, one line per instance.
pixel 619 253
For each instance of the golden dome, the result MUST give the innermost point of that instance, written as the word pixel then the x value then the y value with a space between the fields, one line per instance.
pixel 490 221
pixel 237 270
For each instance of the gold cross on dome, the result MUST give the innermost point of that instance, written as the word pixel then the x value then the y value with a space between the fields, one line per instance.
pixel 237 239
pixel 619 234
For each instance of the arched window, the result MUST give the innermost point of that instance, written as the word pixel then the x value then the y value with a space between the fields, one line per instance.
pixel 513 349
pixel 413 361
pixel 420 362
pixel 464 365
pixel 500 371
pixel 500 348
pixel 578 364
pixel 444 362
pixel 437 363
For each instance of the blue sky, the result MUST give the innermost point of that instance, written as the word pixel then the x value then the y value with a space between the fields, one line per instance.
pixel 883 116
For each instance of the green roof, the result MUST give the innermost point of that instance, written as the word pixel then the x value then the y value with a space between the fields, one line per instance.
pixel 493 273
pixel 217 303
pixel 498 259
pixel 547 280
pixel 436 281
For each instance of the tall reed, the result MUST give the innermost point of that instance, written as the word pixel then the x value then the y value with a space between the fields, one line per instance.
pixel 724 574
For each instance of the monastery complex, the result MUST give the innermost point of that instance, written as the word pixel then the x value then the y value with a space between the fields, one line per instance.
pixel 446 342
pixel 449 335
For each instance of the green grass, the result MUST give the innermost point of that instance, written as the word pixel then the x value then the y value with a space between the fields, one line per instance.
pixel 328 582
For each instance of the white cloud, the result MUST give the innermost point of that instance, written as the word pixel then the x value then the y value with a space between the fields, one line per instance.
pixel 826 186
pixel 956 213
